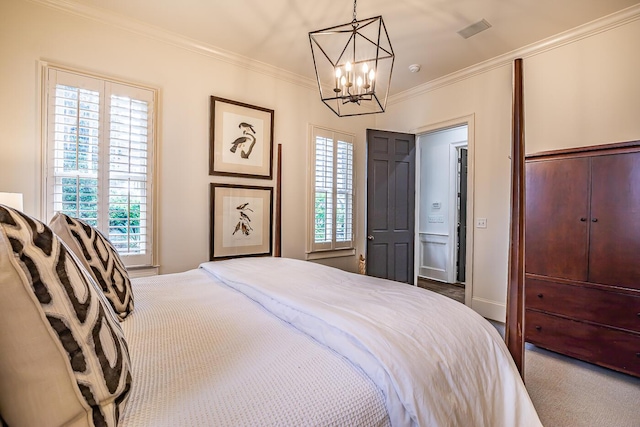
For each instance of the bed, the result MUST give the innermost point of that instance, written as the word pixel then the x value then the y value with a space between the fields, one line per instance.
pixel 245 342
pixel 273 341
pixel 258 341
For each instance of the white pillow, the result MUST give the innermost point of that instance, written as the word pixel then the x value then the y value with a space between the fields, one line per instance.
pixel 64 357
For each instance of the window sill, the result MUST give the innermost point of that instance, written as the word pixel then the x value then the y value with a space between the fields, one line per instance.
pixel 336 253
pixel 143 271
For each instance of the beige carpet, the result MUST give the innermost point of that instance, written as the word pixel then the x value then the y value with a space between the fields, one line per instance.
pixel 569 393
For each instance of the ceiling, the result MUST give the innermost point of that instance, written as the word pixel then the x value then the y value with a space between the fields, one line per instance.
pixel 422 32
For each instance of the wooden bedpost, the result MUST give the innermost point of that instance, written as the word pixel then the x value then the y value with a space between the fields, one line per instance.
pixel 278 245
pixel 514 334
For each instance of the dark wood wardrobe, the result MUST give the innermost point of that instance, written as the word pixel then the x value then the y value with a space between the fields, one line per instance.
pixel 582 254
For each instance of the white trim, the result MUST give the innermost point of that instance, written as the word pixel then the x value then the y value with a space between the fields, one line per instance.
pixel 437 242
pixel 333 248
pixel 129 24
pixel 334 253
pixel 106 85
pixel 489 309
pixel 135 272
pixel 573 35
pixel 599 25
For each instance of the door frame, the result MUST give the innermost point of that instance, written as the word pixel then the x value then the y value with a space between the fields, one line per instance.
pixel 469 121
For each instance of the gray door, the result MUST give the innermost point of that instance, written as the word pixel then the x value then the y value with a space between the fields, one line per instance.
pixel 390 204
pixel 462 218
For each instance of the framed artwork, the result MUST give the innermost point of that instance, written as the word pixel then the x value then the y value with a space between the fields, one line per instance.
pixel 241 218
pixel 241 139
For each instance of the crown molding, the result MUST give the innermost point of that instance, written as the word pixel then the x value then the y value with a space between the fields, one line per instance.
pixel 589 29
pixel 177 40
pixel 603 24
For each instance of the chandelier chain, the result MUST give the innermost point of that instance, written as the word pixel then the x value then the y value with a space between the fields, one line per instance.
pixel 354 10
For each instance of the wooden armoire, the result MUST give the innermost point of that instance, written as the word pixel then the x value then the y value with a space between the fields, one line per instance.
pixel 582 254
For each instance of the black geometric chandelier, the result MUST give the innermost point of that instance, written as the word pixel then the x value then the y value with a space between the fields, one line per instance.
pixel 353 64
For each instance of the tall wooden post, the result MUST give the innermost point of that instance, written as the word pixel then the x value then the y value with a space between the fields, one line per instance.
pixel 278 246
pixel 514 334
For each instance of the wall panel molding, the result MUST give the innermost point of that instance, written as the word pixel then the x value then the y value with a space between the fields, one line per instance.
pixel 434 249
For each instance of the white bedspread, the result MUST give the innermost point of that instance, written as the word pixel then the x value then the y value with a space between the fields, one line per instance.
pixel 206 355
pixel 437 362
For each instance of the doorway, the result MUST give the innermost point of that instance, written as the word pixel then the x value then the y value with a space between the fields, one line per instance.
pixel 442 208
pixel 460 250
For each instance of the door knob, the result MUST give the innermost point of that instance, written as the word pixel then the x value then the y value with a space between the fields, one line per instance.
pixel 583 219
pixel 594 219
pixel 369 237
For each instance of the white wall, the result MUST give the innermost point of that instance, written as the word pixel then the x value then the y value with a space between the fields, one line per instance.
pixel 30 32
pixel 584 93
pixel 580 93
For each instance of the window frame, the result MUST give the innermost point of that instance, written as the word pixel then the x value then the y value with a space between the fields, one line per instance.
pixel 139 262
pixel 333 248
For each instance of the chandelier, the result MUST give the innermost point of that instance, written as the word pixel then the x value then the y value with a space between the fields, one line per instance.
pixel 353 64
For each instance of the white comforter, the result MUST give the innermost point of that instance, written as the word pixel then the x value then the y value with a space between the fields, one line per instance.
pixel 437 362
pixel 205 355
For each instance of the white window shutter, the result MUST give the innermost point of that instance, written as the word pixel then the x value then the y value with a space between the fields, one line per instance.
pixel 99 158
pixel 332 191
pixel 344 194
pixel 129 180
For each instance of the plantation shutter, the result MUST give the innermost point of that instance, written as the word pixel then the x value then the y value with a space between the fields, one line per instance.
pixel 323 200
pixel 99 149
pixel 332 161
pixel 344 194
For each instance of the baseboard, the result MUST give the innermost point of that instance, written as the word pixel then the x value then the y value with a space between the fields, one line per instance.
pixel 489 309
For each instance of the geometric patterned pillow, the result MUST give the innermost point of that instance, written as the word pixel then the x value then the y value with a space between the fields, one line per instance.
pixel 63 356
pixel 100 258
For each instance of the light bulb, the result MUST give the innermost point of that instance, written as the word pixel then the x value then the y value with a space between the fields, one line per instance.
pixel 348 66
pixel 343 81
pixel 359 81
pixel 365 68
pixel 338 73
pixel 371 74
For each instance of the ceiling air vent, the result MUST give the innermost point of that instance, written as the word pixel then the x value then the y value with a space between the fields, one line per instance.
pixel 474 29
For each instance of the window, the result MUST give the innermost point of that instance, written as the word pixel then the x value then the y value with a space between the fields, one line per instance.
pixel 331 176
pixel 99 146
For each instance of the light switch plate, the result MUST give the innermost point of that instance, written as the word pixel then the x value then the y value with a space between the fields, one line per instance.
pixel 481 222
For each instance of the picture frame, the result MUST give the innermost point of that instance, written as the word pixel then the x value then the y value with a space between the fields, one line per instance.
pixel 241 139
pixel 241 221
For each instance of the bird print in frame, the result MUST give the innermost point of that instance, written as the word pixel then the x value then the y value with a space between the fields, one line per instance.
pixel 241 141
pixel 241 220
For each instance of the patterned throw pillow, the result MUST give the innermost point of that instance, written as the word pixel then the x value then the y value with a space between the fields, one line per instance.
pixel 64 359
pixel 100 258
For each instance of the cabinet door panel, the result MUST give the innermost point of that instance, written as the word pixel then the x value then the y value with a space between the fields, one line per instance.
pixel 557 209
pixel 615 220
